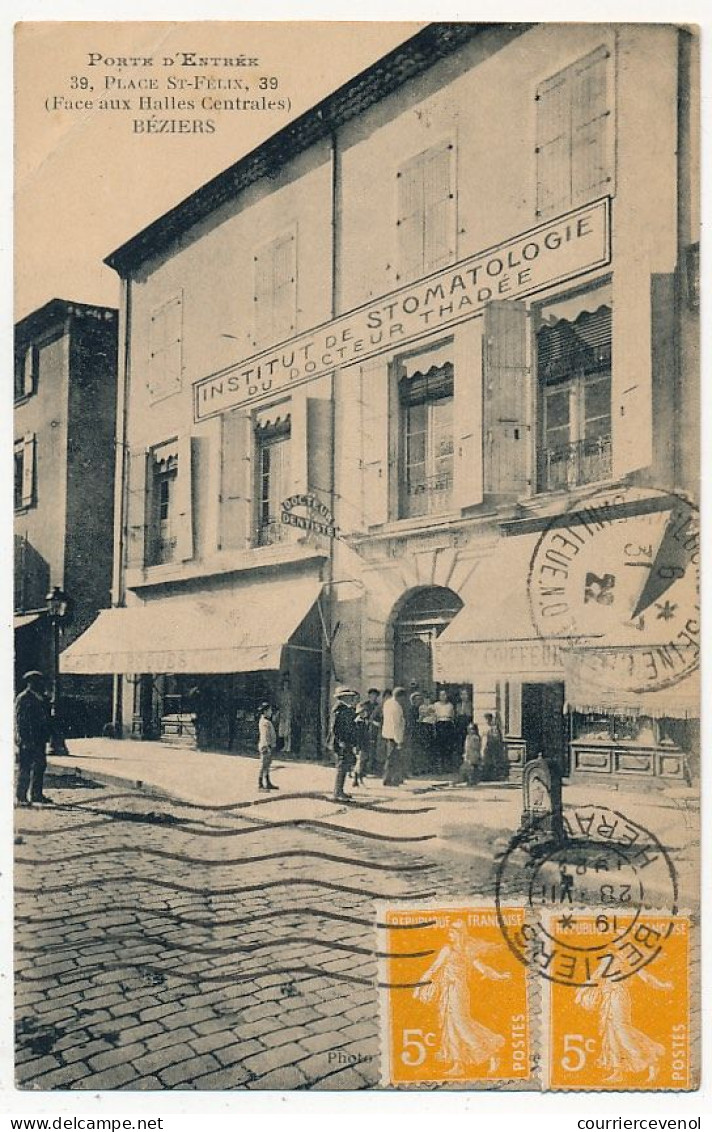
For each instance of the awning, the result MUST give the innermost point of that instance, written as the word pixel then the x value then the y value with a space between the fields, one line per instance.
pixel 22 620
pixel 241 630
pixel 592 686
pixel 494 636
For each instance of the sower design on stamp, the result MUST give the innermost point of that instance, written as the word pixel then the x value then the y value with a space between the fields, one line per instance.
pixel 463 1015
pixel 623 1032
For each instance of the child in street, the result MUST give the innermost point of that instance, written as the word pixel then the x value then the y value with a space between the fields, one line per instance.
pixel 266 743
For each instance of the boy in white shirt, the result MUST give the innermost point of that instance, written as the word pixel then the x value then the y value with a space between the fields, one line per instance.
pixel 266 743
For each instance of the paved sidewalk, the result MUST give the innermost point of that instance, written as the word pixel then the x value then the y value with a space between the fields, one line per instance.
pixel 462 819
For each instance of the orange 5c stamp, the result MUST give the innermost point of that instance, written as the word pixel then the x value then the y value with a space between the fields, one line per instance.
pixel 454 997
pixel 622 1031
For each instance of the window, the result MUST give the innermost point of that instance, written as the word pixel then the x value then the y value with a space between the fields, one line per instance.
pixel 163 526
pixel 165 368
pixel 273 469
pixel 426 400
pixel 426 212
pixel 574 147
pixel 26 371
pixel 574 373
pixel 276 290
pixel 24 473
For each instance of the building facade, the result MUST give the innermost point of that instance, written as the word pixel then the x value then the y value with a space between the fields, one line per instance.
pixel 65 424
pixel 376 368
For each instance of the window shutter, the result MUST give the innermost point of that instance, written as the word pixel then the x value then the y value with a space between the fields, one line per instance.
pixel 590 117
pixel 136 508
pixel 347 450
pixel 467 478
pixel 284 275
pixel 375 399
pixel 319 447
pixel 165 369
pixel 236 495
pixel 632 369
pixel 439 208
pixel 28 470
pixel 184 500
pixel 410 222
pixel 553 145
pixel 29 371
pixel 276 290
pixel 506 398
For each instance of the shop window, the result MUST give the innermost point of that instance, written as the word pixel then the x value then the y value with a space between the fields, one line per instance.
pixel 426 403
pixel 163 498
pixel 574 378
pixel 427 220
pixel 273 469
pixel 165 365
pixel 276 290
pixel 574 147
pixel 24 473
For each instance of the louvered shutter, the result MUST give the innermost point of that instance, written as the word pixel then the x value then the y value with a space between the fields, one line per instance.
pixel 506 398
pixel 284 282
pixel 410 221
pixel 439 208
pixel 276 290
pixel 591 165
pixel 136 508
pixel 28 470
pixel 184 500
pixel 553 145
pixel 347 450
pixel 165 369
pixel 374 440
pixel 632 368
pixel 29 370
pixel 467 479
pixel 174 345
pixel 236 495
pixel 319 447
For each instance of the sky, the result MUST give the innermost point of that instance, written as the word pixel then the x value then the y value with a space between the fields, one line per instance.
pixel 85 181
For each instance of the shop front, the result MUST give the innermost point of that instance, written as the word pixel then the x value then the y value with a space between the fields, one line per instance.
pixel 196 667
pixel 592 699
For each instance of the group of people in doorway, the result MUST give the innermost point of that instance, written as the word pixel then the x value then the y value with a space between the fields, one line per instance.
pixel 401 732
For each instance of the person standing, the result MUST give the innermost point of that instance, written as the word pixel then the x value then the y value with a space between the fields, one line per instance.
pixel 393 732
pixel 32 732
pixel 343 737
pixel 472 758
pixel 444 732
pixel 495 767
pixel 266 743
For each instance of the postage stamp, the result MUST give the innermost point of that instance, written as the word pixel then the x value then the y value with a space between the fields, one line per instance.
pixel 454 1001
pixel 622 1032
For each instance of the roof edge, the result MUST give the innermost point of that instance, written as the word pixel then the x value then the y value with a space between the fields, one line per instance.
pixel 409 59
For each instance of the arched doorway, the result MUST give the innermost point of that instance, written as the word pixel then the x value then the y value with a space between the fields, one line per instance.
pixel 420 621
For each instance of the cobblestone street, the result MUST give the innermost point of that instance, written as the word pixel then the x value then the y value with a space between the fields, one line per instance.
pixel 163 944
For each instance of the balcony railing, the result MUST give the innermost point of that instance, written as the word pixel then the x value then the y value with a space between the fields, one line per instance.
pixel 584 461
pixel 272 531
pixel 428 496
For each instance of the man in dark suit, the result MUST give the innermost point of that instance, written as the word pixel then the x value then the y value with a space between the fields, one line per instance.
pixel 32 730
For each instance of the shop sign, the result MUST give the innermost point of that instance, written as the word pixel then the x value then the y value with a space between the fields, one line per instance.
pixel 555 252
pixel 316 517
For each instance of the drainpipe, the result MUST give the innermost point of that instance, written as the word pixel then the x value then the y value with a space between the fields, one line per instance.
pixel 327 668
pixel 118 592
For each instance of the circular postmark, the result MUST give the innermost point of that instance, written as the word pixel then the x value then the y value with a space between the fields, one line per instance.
pixel 599 901
pixel 614 581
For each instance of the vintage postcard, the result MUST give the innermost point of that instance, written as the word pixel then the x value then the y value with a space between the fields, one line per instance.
pixel 357 556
